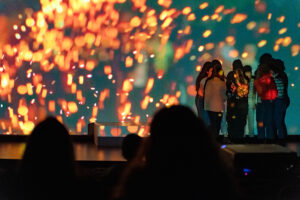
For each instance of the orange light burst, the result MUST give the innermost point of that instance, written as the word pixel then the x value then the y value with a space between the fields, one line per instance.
pixel 238 18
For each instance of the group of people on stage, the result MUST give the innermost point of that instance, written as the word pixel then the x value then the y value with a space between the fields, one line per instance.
pixel 242 95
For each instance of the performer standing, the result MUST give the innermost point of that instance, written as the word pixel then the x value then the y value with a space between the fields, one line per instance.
pixel 214 97
pixel 266 90
pixel 251 101
pixel 282 101
pixel 237 104
pixel 205 73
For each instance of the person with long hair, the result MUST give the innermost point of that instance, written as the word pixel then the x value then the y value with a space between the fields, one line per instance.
pixel 180 160
pixel 47 167
pixel 264 60
pixel 204 74
pixel 215 97
pixel 237 105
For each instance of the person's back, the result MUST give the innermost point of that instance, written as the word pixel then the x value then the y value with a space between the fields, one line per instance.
pixel 47 167
pixel 215 95
pixel 180 151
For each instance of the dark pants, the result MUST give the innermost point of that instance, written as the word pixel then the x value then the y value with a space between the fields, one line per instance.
pixel 200 109
pixel 260 121
pixel 237 111
pixel 215 121
pixel 266 124
pixel 280 106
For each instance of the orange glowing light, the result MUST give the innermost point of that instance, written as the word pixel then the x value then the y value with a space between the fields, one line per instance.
pixel 72 107
pixel 22 110
pixel 128 61
pixel 187 10
pixel 28 126
pixel 127 86
pixel 281 19
pixel 282 31
pixel 238 18
pixel 203 5
pixel 51 106
pixel 149 85
pixel 219 9
pixel 166 23
pixel 135 22
pixel 145 102
pixel 132 129
pixel 233 53
pixel 22 89
pixel 30 22
pixel 205 18
pixel 107 69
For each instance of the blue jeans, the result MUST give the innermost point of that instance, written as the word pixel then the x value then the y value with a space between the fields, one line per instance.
pixel 280 106
pixel 201 112
pixel 266 129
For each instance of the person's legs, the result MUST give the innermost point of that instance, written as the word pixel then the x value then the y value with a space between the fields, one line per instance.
pixel 215 121
pixel 268 119
pixel 260 121
pixel 250 120
pixel 279 110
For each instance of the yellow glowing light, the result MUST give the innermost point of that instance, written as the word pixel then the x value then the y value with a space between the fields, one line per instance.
pixel 28 127
pixel 187 10
pixel 262 43
pixel 282 31
pixel 30 22
pixel 205 18
pixel 206 33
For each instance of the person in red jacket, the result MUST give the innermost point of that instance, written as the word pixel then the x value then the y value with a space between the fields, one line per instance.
pixel 266 89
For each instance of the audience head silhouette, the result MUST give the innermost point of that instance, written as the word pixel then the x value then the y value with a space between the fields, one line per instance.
pixel 130 145
pixel 47 164
pixel 180 151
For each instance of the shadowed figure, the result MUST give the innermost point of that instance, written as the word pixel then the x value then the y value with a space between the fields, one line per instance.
pixel 180 160
pixel 130 145
pixel 47 170
pixel 202 77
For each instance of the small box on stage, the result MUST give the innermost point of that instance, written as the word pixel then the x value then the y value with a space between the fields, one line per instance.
pixel 260 159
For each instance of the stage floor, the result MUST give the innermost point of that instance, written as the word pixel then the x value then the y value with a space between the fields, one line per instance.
pixel 83 152
pixel 87 151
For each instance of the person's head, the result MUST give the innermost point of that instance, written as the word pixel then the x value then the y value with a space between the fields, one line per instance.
pixel 173 129
pixel 48 159
pixel 262 70
pixel 218 72
pixel 279 64
pixel 248 71
pixel 237 64
pixel 130 145
pixel 216 62
pixel 205 71
pixel 265 58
